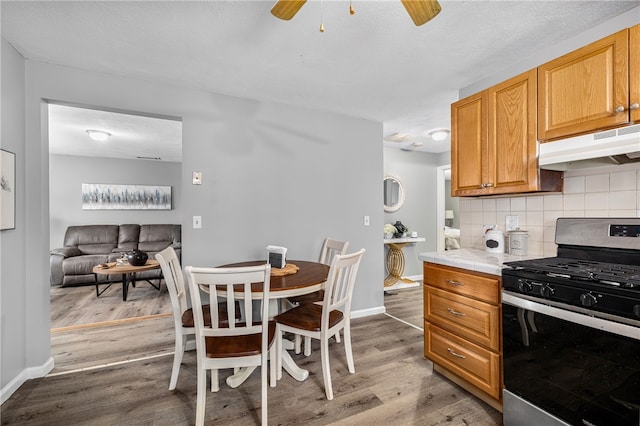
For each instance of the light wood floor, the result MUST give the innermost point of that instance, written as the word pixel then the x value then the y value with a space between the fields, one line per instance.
pixel 118 373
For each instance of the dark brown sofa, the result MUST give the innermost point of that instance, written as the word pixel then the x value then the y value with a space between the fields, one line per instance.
pixel 89 245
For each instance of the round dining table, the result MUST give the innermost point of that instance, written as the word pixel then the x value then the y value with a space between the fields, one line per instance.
pixel 310 277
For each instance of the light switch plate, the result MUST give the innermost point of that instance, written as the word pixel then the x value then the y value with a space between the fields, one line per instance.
pixel 197 178
pixel 197 222
pixel 511 223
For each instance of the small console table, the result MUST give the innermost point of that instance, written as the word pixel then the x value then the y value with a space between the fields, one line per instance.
pixel 395 259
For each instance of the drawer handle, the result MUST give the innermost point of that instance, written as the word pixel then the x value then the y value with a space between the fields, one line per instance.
pixel 454 282
pixel 452 352
pixel 456 313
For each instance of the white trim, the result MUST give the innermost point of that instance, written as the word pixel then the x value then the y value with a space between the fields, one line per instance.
pixel 368 312
pixel 23 376
pixel 440 206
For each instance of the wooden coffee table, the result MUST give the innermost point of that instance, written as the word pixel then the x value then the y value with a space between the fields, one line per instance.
pixel 128 274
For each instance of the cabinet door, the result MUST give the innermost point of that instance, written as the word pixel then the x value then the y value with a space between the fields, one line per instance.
pixel 513 161
pixel 469 145
pixel 581 91
pixel 634 73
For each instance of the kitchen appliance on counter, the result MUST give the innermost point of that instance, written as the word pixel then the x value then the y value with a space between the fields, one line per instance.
pixel 571 328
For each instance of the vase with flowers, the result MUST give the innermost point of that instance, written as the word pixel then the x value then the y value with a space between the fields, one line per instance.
pixel 389 231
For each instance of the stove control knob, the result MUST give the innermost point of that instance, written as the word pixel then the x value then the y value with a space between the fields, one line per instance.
pixel 546 290
pixel 588 299
pixel 636 310
pixel 524 286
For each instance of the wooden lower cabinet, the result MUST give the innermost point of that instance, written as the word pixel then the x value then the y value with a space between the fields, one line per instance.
pixel 462 329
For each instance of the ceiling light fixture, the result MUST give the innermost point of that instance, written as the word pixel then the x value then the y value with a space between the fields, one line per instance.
pixel 439 135
pixel 98 135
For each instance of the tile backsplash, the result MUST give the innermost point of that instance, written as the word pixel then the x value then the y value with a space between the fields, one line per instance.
pixel 612 191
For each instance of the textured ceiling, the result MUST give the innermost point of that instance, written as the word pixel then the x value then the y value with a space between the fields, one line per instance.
pixel 375 65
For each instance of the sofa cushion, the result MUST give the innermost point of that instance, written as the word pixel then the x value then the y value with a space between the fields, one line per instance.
pixel 154 238
pixel 82 265
pixel 128 237
pixel 92 239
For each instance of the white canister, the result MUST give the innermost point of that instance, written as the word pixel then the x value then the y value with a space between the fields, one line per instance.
pixel 494 241
pixel 518 242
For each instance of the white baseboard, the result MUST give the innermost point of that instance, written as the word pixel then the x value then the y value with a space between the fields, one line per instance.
pixel 367 312
pixel 23 376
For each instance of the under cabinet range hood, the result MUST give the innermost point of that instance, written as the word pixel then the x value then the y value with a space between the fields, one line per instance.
pixel 611 147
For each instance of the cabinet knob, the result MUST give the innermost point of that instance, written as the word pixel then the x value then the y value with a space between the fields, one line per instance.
pixel 488 185
pixel 620 108
pixel 634 106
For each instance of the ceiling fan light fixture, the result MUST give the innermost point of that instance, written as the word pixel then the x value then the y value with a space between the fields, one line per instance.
pixel 98 135
pixel 439 135
pixel 398 137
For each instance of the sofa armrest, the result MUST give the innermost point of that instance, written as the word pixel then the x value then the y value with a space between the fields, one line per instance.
pixel 55 259
pixel 66 252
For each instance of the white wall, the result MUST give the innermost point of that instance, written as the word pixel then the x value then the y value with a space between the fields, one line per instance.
pixel 67 173
pixel 14 328
pixel 272 174
pixel 417 170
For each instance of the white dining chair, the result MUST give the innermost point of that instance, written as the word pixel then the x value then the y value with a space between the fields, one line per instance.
pixel 182 314
pixel 325 320
pixel 228 343
pixel 330 248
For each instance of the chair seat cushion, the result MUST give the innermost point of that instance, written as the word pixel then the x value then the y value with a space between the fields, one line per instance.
pixel 237 346
pixel 317 296
pixel 307 317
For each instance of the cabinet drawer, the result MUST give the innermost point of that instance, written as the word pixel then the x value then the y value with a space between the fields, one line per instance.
pixel 476 285
pixel 474 364
pixel 472 319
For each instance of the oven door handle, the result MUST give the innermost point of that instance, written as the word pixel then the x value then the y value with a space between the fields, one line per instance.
pixel 565 314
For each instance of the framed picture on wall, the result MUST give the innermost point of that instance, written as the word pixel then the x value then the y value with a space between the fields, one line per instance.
pixel 97 196
pixel 7 190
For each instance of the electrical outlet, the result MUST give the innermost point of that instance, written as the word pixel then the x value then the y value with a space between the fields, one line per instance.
pixel 366 221
pixel 511 223
pixel 197 222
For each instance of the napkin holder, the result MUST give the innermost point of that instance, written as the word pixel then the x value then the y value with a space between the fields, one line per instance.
pixel 277 256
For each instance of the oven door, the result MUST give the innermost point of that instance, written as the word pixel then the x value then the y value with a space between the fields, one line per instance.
pixel 565 367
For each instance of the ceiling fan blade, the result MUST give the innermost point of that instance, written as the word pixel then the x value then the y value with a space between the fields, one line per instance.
pixel 422 11
pixel 286 9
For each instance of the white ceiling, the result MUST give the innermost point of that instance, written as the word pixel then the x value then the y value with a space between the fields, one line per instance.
pixel 375 64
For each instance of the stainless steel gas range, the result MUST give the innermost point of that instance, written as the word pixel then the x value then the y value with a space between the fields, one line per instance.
pixel 571 328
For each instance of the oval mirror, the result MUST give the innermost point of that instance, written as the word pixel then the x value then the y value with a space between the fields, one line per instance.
pixel 394 193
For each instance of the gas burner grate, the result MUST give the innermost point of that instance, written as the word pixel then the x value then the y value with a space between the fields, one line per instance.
pixel 619 275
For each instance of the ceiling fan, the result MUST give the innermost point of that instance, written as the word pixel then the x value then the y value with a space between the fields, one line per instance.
pixel 420 11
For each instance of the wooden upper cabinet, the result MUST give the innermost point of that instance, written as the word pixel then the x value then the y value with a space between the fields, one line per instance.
pixel 493 141
pixel 585 90
pixel 634 73
pixel 468 144
pixel 512 143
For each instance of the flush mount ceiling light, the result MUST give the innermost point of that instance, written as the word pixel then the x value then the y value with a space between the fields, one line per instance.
pixel 98 135
pixel 439 135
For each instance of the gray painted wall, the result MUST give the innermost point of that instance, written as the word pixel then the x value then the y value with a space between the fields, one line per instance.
pixel 417 170
pixel 272 174
pixel 13 284
pixel 67 173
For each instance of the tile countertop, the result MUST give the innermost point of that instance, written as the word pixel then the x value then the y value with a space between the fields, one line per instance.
pixel 472 259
